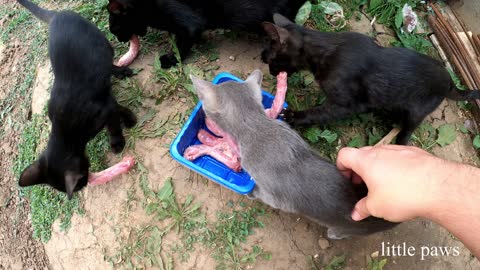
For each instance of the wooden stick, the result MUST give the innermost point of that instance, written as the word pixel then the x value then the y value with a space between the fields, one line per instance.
pixel 450 49
pixel 441 52
pixel 463 53
pixel 476 42
pixel 462 24
pixel 389 137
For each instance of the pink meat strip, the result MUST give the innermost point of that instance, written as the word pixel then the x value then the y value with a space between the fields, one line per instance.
pixel 226 149
pixel 220 151
pixel 279 99
pixel 132 53
pixel 107 175
pixel 212 126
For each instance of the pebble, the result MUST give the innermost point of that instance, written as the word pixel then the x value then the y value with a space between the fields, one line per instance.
pixel 323 243
pixel 231 57
pixel 374 254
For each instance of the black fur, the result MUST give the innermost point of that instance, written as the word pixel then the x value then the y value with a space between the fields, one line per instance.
pixel 357 76
pixel 80 105
pixel 187 19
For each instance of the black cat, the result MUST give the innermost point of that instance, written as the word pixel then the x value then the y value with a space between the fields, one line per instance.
pixel 187 19
pixel 357 76
pixel 81 104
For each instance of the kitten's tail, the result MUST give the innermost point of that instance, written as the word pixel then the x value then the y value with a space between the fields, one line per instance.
pixel 42 14
pixel 457 94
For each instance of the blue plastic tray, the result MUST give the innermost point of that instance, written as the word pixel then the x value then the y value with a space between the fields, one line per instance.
pixel 207 166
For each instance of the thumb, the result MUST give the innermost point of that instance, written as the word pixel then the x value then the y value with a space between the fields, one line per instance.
pixel 360 211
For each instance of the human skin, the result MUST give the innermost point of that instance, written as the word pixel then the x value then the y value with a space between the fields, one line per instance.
pixel 405 182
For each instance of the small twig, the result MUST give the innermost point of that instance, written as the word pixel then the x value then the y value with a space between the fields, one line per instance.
pixel 389 137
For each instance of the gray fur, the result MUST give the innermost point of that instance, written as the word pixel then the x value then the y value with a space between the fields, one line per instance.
pixel 288 173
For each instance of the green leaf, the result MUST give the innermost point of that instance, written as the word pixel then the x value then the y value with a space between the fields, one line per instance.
pixel 446 135
pixel 336 263
pixel 329 135
pixel 188 200
pixel 152 207
pixel 330 8
pixel 194 208
pixel 399 18
pixel 166 191
pixel 308 79
pixel 476 142
pixel 463 129
pixel 303 13
pixel 381 264
pixel 374 4
pixel 356 141
pixel 312 134
pixel 374 136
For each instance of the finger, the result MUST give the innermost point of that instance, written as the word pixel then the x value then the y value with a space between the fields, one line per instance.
pixel 347 161
pixel 360 211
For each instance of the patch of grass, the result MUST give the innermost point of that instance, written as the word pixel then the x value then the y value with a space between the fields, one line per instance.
pixel 230 230
pixel 224 236
pixel 336 263
pixel 206 50
pixel 318 19
pixel 30 139
pixel 167 207
pixel 375 263
pixel 142 130
pixel 389 12
pixel 142 250
pixel 416 42
pixel 97 150
pixel 175 80
pixel 303 92
pixel 425 136
pixel 129 93
pixel 46 204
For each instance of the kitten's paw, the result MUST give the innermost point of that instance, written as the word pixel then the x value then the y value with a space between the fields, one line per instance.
pixel 123 72
pixel 168 60
pixel 336 234
pixel 117 144
pixel 128 118
pixel 288 116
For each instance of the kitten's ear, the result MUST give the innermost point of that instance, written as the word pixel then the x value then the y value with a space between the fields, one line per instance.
pixel 205 91
pixel 255 77
pixel 32 175
pixel 115 7
pixel 281 20
pixel 275 32
pixel 255 83
pixel 71 181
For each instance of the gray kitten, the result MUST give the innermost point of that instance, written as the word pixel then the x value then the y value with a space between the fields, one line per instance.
pixel 288 173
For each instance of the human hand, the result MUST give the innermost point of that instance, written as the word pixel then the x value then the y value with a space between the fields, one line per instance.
pixel 403 182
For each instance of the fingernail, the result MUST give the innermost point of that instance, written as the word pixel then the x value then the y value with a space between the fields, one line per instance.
pixel 356 216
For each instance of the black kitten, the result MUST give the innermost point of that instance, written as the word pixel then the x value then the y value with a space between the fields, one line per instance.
pixel 357 76
pixel 81 104
pixel 187 19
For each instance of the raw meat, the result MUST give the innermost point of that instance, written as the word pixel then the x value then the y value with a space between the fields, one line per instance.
pixel 215 147
pixel 279 99
pixel 107 175
pixel 132 53
pixel 225 149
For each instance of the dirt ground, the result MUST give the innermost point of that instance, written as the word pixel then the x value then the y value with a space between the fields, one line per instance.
pixel 110 215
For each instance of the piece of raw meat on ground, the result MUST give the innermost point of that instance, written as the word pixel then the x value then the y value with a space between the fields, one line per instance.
pixel 107 175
